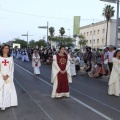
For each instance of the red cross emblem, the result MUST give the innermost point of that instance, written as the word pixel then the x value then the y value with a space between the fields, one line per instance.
pixel 5 62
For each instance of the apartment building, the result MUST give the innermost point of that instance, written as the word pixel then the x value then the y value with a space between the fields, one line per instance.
pixel 95 33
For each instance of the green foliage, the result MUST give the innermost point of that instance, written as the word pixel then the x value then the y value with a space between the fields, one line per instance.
pixel 32 43
pixel 108 13
pixel 67 42
pixel 40 43
pixel 51 31
pixel 83 41
pixel 62 31
pixel 21 42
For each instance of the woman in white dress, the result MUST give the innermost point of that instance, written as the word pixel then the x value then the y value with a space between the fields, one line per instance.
pixel 36 62
pixel 72 65
pixel 8 96
pixel 114 81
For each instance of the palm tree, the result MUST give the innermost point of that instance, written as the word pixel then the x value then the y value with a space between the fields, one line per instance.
pixel 108 13
pixel 62 31
pixel 51 31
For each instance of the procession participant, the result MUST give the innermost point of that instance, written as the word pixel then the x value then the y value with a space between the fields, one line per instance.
pixel 8 96
pixel 36 62
pixel 114 81
pixel 25 56
pixel 72 65
pixel 61 76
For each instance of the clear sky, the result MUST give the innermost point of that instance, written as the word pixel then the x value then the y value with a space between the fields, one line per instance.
pixel 19 16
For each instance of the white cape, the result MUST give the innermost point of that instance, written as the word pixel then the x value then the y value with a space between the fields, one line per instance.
pixel 114 81
pixel 54 80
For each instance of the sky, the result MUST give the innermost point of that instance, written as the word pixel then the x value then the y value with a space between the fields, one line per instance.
pixel 19 16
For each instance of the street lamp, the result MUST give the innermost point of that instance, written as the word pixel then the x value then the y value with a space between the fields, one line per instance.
pixel 45 27
pixel 115 1
pixel 92 33
pixel 27 37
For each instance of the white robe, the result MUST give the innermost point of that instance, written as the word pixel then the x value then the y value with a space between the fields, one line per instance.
pixel 114 81
pixel 36 68
pixel 72 66
pixel 8 96
pixel 25 57
pixel 54 80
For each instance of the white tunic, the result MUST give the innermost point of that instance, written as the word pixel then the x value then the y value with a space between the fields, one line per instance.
pixel 72 66
pixel 36 64
pixel 114 81
pixel 8 96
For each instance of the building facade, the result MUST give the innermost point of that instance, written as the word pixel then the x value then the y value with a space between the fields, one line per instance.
pixel 95 33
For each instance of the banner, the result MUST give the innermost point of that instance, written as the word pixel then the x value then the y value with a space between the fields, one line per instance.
pixel 76 27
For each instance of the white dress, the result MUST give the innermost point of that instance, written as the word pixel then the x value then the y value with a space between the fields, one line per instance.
pixel 36 64
pixel 114 81
pixel 72 66
pixel 25 56
pixel 8 96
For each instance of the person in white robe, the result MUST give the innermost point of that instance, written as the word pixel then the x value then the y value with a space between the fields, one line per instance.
pixel 25 56
pixel 54 77
pixel 72 65
pixel 36 62
pixel 114 81
pixel 8 95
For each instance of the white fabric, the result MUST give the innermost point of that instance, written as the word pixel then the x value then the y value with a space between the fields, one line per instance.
pixel 8 96
pixel 72 66
pixel 25 57
pixel 54 80
pixel 36 59
pixel 114 81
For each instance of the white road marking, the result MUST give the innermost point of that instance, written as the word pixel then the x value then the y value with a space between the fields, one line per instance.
pixel 75 99
pixel 34 100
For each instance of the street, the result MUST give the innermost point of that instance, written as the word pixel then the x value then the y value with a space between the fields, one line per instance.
pixel 88 101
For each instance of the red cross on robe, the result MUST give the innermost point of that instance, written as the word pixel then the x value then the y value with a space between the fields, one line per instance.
pixel 5 62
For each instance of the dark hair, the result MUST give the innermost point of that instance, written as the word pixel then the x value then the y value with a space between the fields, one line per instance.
pixel 61 47
pixel 116 53
pixel 99 64
pixel 114 48
pixel 1 51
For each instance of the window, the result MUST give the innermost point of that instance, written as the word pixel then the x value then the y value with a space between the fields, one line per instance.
pixel 94 32
pixel 98 31
pixel 90 32
pixel 81 33
pixel 84 33
pixel 90 42
pixel 103 30
pixel 118 41
pixel 87 33
pixel 97 41
pixel 94 41
pixel 103 41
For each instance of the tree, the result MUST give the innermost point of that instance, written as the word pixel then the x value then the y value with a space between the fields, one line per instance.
pixel 51 31
pixel 21 42
pixel 32 43
pixel 108 13
pixel 62 31
pixel 82 40
pixel 40 43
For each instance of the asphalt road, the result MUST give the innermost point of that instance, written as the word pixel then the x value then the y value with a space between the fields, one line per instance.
pixel 88 101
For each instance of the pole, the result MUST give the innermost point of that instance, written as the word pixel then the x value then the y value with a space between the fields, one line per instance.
pixel 27 39
pixel 116 41
pixel 47 34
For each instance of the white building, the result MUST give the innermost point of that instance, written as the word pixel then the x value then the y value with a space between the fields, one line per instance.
pixel 95 33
